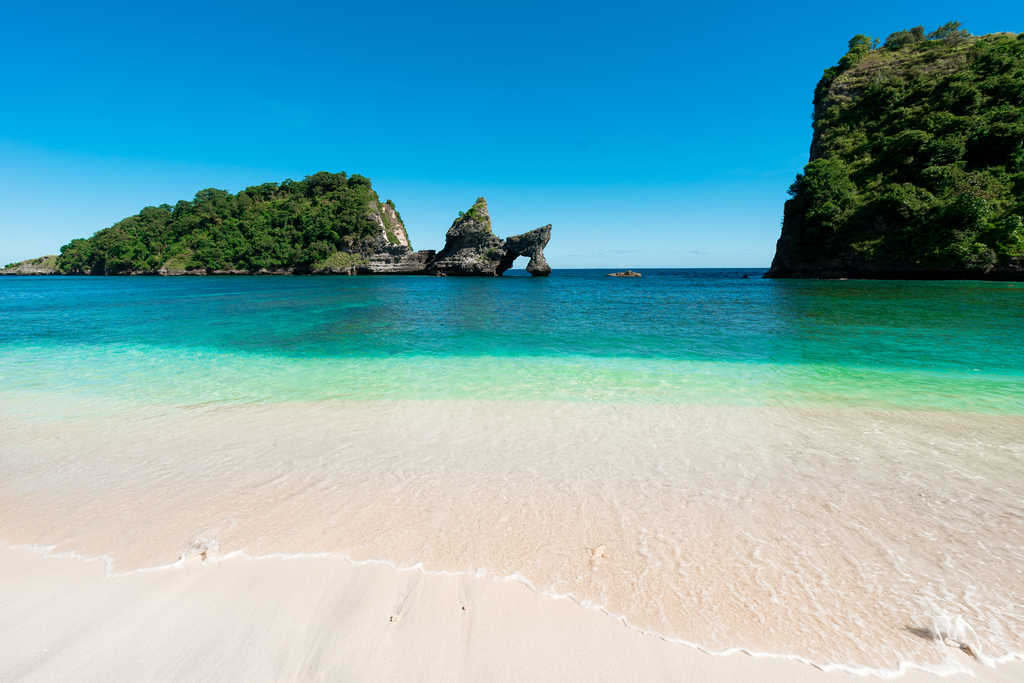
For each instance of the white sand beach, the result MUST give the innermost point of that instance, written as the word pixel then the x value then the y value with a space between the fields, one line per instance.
pixel 342 540
pixel 63 619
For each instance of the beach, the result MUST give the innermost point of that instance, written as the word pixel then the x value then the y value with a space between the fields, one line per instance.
pixel 840 561
pixel 294 480
pixel 519 342
pixel 324 619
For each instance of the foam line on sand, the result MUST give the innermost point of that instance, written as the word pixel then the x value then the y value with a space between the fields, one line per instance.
pixel 62 618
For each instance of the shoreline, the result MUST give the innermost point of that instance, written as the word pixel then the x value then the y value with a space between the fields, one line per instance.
pixel 194 617
pixel 681 520
pixel 766 274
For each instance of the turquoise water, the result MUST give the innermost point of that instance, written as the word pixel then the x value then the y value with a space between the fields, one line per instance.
pixel 673 335
pixel 815 469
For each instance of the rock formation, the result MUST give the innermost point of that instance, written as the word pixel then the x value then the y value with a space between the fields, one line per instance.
pixel 530 244
pixel 470 248
pixel 625 273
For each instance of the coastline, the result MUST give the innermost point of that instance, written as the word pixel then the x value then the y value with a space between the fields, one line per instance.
pixel 325 617
pixel 709 528
pixel 906 274
pixel 768 274
pixel 811 471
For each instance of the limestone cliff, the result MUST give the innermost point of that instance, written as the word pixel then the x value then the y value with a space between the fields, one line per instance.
pixel 392 227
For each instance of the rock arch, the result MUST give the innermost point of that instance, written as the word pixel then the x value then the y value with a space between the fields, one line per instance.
pixel 530 244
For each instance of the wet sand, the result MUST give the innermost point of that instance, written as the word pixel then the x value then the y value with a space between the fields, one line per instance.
pixel 586 541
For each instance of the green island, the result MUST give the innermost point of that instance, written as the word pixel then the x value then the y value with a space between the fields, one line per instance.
pixel 917 162
pixel 327 223
pixel 323 223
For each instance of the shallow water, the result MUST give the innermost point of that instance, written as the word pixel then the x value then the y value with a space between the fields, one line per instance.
pixel 700 335
pixel 831 470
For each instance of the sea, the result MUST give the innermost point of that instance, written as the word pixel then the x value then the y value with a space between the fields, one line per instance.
pixel 825 470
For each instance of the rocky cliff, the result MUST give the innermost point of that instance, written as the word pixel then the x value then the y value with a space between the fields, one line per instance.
pixel 917 162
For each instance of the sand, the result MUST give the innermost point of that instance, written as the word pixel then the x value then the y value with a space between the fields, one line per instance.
pixel 63 618
pixel 838 537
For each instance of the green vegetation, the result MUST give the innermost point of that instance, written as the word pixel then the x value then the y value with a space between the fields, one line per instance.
pixel 43 264
pixel 339 262
pixel 311 225
pixel 917 162
pixel 476 212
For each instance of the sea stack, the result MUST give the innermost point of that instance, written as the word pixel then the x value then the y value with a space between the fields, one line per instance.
pixel 472 248
pixel 470 245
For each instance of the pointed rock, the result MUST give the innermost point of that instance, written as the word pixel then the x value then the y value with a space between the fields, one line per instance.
pixel 470 246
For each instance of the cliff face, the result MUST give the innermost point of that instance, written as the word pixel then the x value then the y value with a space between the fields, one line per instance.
pixel 391 225
pixel 917 163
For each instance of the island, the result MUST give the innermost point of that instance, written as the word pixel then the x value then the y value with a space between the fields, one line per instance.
pixel 328 223
pixel 916 164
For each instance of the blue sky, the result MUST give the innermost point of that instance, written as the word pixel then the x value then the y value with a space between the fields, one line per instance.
pixel 649 134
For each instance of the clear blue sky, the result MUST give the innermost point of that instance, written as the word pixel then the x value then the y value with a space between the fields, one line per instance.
pixel 649 134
